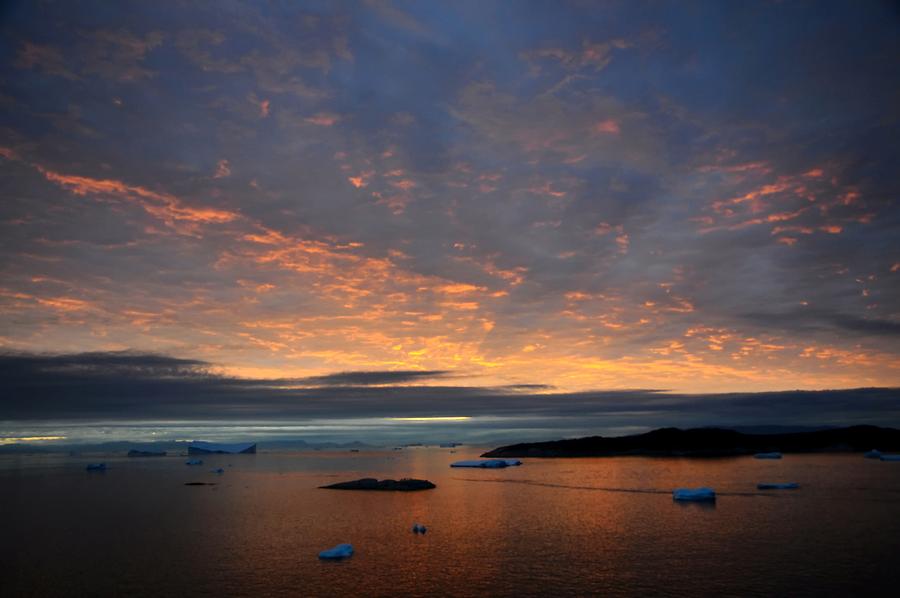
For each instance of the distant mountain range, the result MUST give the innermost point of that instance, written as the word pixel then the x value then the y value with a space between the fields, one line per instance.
pixel 710 442
pixel 172 448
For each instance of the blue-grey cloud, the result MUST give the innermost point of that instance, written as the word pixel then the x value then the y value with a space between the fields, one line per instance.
pixel 130 387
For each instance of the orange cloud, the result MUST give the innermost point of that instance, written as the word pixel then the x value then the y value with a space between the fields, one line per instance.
pixel 164 206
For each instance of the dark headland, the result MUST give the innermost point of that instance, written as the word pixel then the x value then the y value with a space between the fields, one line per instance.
pixel 709 442
pixel 403 485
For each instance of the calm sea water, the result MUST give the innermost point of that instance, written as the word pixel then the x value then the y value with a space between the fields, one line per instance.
pixel 550 527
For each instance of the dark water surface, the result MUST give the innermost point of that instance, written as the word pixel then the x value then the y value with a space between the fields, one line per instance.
pixel 562 527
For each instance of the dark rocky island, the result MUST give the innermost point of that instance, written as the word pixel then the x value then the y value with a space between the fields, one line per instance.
pixel 709 442
pixel 403 485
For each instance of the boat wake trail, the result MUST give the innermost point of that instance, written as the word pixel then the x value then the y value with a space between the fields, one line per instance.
pixel 601 488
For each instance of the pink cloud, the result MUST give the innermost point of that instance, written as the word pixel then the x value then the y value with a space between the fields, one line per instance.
pixel 324 119
pixel 607 127
pixel 223 169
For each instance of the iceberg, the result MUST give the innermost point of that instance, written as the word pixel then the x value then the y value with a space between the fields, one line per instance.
pixel 341 551
pixel 767 456
pixel 486 463
pixel 194 462
pixel 419 529
pixel 873 454
pixel 890 457
pixel 697 494
pixel 776 486
pixel 208 448
pixel 219 470
pixel 96 467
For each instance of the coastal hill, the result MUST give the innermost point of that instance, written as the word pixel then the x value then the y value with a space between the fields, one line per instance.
pixel 709 442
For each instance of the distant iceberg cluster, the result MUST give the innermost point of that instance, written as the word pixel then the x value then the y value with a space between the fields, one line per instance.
pixel 876 454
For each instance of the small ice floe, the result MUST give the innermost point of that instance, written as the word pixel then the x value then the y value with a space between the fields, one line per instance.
pixel 890 457
pixel 873 454
pixel 694 494
pixel 486 463
pixel 96 467
pixel 774 486
pixel 418 528
pixel 219 470
pixel 767 456
pixel 341 551
pixel 194 462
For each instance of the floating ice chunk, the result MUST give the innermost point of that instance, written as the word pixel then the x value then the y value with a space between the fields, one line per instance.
pixel 512 462
pixel 694 494
pixel 776 486
pixel 873 454
pixel 890 457
pixel 219 470
pixel 418 528
pixel 767 456
pixel 341 551
pixel 96 467
pixel 194 462
pixel 489 463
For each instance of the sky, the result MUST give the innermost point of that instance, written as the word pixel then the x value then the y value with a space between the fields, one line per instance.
pixel 582 215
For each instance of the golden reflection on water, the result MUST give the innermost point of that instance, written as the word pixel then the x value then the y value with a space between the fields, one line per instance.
pixel 566 526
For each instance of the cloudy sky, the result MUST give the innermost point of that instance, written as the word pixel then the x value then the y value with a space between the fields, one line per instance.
pixel 529 199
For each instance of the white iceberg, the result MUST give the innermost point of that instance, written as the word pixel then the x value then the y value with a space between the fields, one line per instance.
pixel 96 467
pixel 873 454
pixel 890 457
pixel 341 551
pixel 694 494
pixel 419 528
pixel 778 486
pixel 486 463
pixel 194 462
pixel 767 456
pixel 219 470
